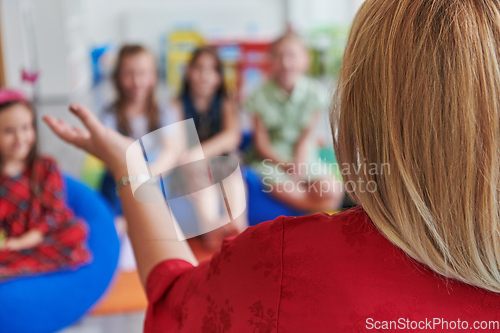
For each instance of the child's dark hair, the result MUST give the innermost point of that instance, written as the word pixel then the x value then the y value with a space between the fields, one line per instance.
pixel 152 108
pixel 219 67
pixel 33 154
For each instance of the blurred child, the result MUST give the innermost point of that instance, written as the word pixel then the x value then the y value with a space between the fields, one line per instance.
pixel 204 99
pixel 39 232
pixel 135 113
pixel 286 110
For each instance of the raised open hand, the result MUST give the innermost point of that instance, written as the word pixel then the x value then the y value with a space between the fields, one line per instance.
pixel 96 139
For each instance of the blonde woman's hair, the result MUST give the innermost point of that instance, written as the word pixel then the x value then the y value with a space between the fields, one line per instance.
pixel 420 90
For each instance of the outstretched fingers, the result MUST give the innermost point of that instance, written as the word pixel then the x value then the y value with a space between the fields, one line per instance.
pixel 74 135
pixel 87 117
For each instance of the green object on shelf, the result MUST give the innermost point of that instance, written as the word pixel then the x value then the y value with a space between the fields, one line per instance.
pixel 327 46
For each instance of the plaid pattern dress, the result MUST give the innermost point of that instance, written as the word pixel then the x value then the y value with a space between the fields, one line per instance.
pixel 64 244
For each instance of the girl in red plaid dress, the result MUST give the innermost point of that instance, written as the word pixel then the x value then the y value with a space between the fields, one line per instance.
pixel 40 233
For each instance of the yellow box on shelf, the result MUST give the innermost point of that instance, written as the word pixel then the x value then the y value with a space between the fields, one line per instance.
pixel 180 45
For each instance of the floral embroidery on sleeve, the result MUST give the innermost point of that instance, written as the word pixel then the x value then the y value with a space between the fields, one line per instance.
pixel 224 256
pixel 179 313
pixel 268 267
pixel 217 319
pixel 263 320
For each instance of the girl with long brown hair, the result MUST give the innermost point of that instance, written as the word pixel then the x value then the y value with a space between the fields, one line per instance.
pixel 137 112
pixel 205 100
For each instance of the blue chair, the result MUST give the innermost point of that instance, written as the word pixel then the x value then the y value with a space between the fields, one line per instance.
pixel 262 206
pixel 49 302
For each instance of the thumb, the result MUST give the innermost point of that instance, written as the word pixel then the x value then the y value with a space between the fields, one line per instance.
pixel 86 116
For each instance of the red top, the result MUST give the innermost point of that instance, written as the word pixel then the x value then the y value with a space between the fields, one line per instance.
pixel 318 273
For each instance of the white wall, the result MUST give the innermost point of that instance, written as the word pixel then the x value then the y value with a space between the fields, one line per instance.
pixel 61 48
pixel 309 14
pixel 51 49
pixel 13 42
pixel 148 21
pixel 42 35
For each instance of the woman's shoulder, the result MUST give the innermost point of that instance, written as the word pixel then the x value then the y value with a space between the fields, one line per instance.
pixel 245 273
pixel 347 231
pixel 352 218
pixel 345 228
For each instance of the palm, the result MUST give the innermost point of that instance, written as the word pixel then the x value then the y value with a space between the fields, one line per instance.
pixel 96 139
